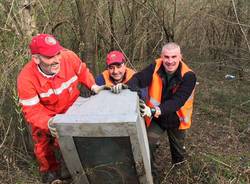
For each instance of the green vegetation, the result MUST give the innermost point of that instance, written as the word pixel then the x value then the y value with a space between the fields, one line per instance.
pixel 214 36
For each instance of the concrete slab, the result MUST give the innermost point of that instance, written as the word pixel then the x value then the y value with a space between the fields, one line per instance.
pixel 103 138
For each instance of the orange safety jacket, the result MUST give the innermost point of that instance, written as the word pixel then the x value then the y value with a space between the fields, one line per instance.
pixel 42 97
pixel 128 74
pixel 155 94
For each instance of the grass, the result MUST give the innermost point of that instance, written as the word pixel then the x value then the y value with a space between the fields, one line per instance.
pixel 218 141
pixel 207 169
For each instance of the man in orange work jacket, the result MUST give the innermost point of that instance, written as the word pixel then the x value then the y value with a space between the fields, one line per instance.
pixel 116 72
pixel 47 85
pixel 169 104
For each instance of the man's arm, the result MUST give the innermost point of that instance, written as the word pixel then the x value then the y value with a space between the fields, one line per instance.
pixel 180 96
pixel 82 71
pixel 100 80
pixel 141 79
pixel 34 112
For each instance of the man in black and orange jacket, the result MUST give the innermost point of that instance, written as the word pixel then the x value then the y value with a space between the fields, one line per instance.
pixel 169 105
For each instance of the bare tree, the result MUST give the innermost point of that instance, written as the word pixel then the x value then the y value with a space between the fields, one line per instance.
pixel 22 19
pixel 87 17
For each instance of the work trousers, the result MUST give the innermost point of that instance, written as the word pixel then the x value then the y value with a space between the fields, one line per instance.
pixel 46 149
pixel 176 139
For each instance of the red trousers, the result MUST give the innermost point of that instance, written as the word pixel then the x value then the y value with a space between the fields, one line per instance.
pixel 45 149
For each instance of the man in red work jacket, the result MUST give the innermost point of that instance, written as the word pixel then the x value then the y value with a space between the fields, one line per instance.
pixel 169 104
pixel 47 85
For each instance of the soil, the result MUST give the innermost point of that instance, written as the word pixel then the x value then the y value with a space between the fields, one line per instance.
pixel 205 138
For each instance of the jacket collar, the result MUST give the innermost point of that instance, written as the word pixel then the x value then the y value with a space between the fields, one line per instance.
pixel 43 78
pixel 161 72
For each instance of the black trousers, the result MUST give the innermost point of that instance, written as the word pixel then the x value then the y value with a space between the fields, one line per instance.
pixel 176 140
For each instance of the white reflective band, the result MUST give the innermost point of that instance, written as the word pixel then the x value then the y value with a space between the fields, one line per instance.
pixel 187 117
pixel 183 120
pixel 29 102
pixel 154 102
pixel 59 90
pixel 79 70
pixel 43 95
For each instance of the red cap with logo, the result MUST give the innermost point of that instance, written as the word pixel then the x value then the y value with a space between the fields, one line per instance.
pixel 115 57
pixel 45 45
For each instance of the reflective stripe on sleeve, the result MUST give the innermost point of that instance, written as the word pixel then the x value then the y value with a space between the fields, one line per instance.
pixel 43 95
pixel 79 70
pixel 29 102
pixel 59 90
pixel 154 101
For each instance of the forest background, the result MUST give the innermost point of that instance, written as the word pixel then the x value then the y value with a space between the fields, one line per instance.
pixel 215 40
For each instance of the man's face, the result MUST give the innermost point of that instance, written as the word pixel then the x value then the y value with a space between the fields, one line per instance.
pixel 171 59
pixel 117 71
pixel 49 66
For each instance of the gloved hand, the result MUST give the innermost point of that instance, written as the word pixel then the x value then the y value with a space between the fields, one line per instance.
pixel 144 109
pixel 96 89
pixel 52 127
pixel 118 88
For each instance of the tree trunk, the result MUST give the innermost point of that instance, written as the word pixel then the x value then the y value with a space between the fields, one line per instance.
pixel 112 29
pixel 86 11
pixel 27 19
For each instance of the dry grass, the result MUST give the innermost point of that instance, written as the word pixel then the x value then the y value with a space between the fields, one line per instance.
pixel 219 140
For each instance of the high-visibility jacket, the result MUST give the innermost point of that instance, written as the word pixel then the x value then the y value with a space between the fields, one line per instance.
pixel 42 98
pixel 155 94
pixel 129 73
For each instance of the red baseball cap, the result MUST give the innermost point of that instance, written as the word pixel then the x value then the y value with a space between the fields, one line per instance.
pixel 115 57
pixel 45 44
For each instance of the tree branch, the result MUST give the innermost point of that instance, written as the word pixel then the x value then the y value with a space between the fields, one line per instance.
pixel 243 32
